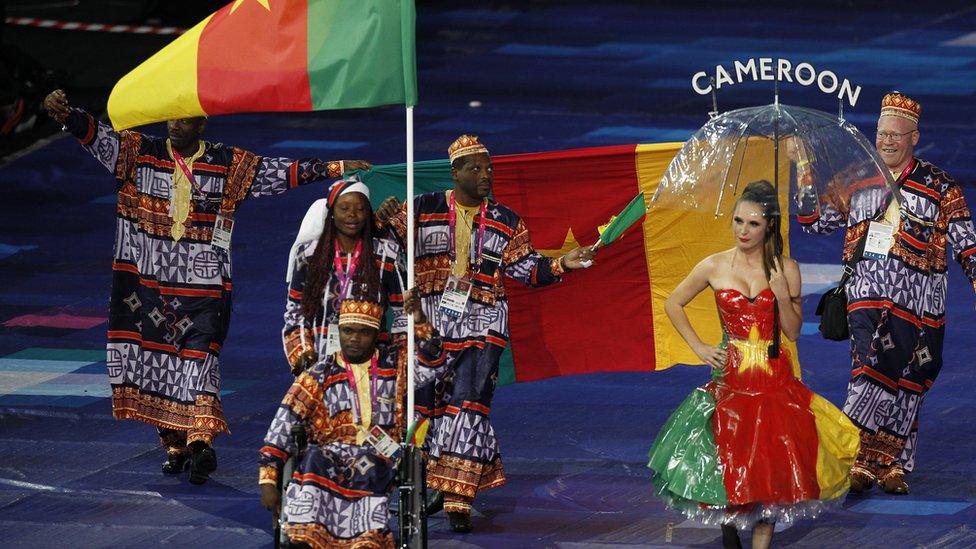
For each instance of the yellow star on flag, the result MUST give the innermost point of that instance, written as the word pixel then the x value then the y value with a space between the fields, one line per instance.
pixel 754 352
pixel 265 3
pixel 569 245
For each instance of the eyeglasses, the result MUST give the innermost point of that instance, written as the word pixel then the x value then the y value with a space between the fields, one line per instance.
pixel 896 137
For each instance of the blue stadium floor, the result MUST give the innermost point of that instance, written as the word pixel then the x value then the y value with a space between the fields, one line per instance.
pixel 549 75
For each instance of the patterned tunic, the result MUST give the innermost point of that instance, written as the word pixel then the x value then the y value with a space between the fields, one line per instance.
pixel 301 334
pixel 464 456
pixel 170 303
pixel 896 308
pixel 339 493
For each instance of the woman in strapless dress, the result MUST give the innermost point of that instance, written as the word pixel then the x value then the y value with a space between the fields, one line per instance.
pixel 754 446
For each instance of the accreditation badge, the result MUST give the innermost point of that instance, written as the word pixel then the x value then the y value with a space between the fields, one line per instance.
pixel 222 230
pixel 879 240
pixel 455 297
pixel 381 442
pixel 332 339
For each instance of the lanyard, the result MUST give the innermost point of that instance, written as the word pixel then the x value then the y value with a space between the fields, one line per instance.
pixel 186 171
pixel 374 370
pixel 345 276
pixel 452 221
pixel 906 171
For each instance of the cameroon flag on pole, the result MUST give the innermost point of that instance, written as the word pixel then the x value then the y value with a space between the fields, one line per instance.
pixel 609 318
pixel 277 55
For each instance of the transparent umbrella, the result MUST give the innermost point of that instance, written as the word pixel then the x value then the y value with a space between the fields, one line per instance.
pixel 814 159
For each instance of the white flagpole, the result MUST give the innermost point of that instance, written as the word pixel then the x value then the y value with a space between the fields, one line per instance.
pixel 411 344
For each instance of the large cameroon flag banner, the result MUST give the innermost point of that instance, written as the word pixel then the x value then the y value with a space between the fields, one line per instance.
pixel 610 317
pixel 277 55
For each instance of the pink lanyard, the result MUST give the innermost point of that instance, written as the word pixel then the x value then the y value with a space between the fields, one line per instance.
pixel 906 171
pixel 452 221
pixel 186 171
pixel 374 370
pixel 345 276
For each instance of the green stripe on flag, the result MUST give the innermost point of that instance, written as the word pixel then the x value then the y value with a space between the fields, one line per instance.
pixel 623 221
pixel 361 53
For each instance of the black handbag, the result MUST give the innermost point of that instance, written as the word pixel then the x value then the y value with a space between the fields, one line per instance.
pixel 832 310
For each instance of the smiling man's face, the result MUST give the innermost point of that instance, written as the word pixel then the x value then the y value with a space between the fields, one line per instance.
pixel 896 140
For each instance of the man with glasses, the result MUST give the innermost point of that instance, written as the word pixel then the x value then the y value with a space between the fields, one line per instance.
pixel 896 297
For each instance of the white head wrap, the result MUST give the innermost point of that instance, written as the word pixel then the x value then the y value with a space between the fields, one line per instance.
pixel 314 221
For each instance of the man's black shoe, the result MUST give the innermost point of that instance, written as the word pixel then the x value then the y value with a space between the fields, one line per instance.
pixel 460 522
pixel 175 464
pixel 436 503
pixel 203 461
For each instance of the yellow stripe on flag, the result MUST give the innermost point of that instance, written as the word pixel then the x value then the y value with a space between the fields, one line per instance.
pixel 839 441
pixel 164 87
pixel 676 239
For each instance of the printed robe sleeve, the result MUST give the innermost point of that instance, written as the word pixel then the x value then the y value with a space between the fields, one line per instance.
pixel 960 230
pixel 116 151
pixel 393 277
pixel 817 218
pixel 277 175
pixel 297 336
pixel 396 226
pixel 521 262
pixel 298 406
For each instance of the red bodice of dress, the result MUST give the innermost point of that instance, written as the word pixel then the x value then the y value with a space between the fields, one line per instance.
pixel 748 325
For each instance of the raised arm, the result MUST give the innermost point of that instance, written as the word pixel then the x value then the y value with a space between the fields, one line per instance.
pixel 814 217
pixel 687 289
pixel 277 175
pixel 784 281
pixel 114 150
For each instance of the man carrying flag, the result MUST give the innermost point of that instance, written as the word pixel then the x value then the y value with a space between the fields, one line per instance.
pixel 171 283
pixel 465 243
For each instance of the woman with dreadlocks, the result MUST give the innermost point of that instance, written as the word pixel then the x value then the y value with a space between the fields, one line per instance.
pixel 335 257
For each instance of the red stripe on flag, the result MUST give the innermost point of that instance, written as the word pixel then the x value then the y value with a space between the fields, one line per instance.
pixel 552 332
pixel 255 59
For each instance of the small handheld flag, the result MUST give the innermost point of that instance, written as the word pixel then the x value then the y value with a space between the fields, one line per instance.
pixel 618 224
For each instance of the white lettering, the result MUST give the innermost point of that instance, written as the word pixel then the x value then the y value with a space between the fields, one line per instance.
pixel 799 77
pixel 745 70
pixel 769 68
pixel 698 89
pixel 766 68
pixel 783 73
pixel 833 81
pixel 845 89
pixel 722 77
